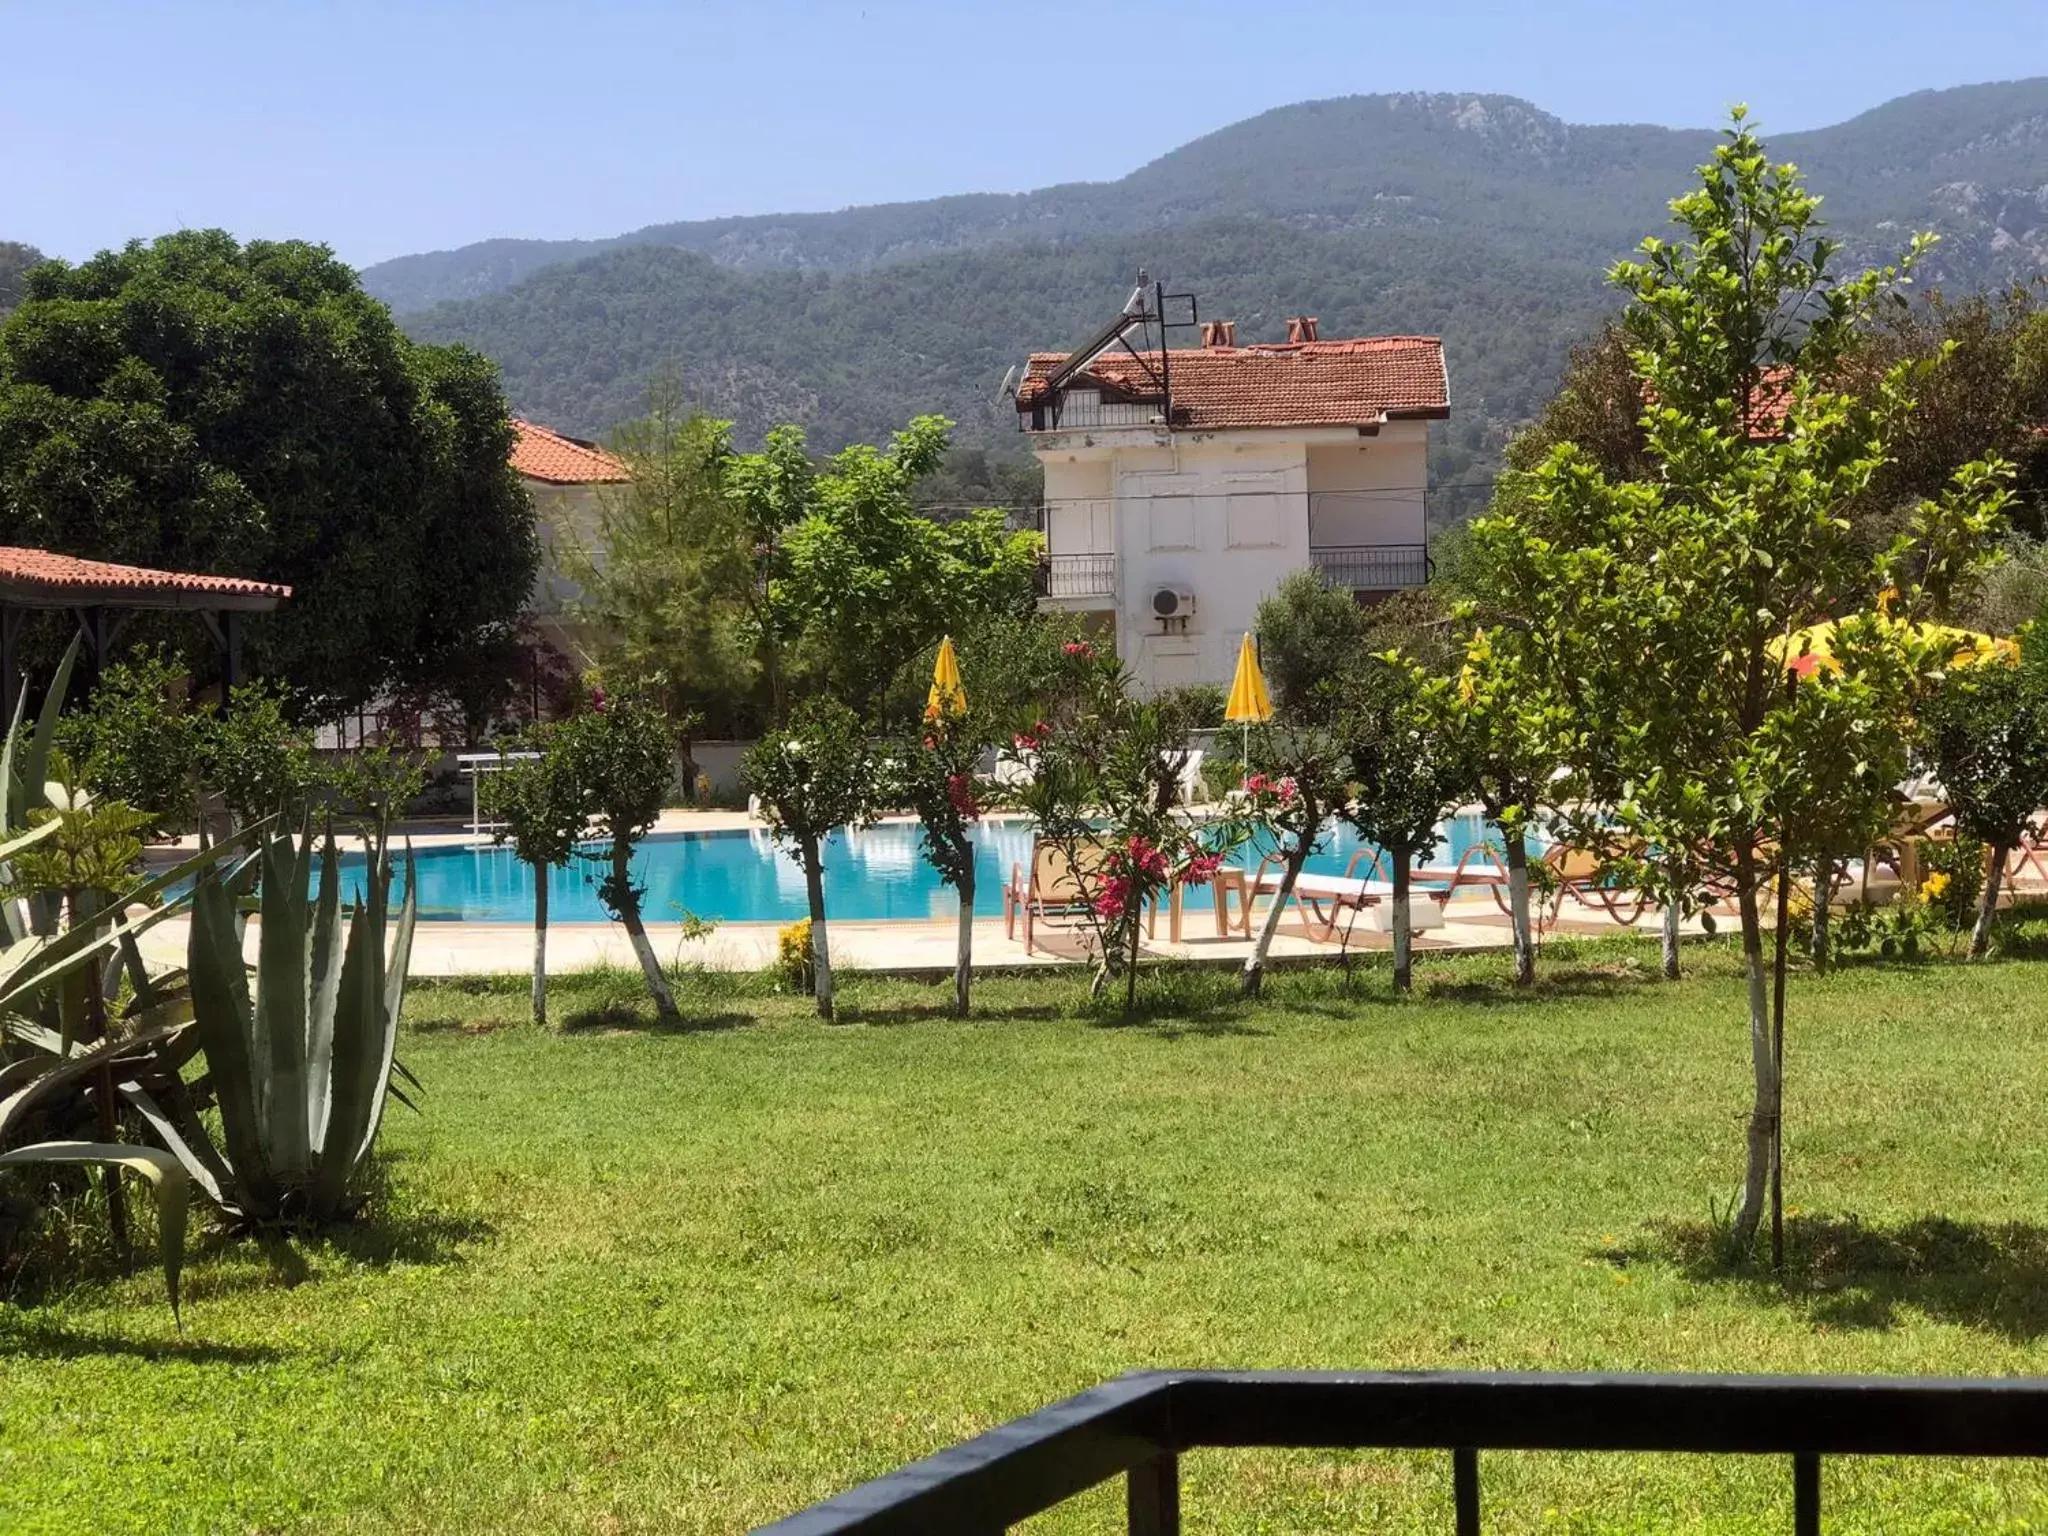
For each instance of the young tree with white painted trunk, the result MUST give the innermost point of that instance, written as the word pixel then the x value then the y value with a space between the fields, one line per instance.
pixel 621 753
pixel 933 774
pixel 1986 734
pixel 1405 778
pixel 543 812
pixel 1287 806
pixel 1667 604
pixel 815 776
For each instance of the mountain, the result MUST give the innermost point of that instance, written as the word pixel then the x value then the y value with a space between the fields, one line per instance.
pixel 1478 217
pixel 15 259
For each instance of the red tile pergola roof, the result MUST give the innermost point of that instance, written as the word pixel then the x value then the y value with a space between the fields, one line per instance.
pixel 1357 383
pixel 39 578
pixel 541 454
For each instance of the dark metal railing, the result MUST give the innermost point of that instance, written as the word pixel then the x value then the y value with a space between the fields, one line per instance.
pixel 1372 567
pixel 1139 1426
pixel 1080 576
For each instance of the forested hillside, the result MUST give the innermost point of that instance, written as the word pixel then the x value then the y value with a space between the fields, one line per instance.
pixel 1476 217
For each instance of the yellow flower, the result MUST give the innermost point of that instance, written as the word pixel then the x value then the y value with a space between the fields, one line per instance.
pixel 1934 886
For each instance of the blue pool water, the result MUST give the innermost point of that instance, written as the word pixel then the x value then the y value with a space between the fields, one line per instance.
pixel 880 872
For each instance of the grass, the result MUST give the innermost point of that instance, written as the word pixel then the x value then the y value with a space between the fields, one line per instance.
pixel 622 1280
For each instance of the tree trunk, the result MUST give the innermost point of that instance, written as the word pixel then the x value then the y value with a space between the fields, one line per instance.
pixel 1779 939
pixel 1987 904
pixel 540 946
pixel 1671 922
pixel 1402 945
pixel 963 960
pixel 1823 903
pixel 821 948
pixel 1517 844
pixel 1254 975
pixel 636 931
pixel 1135 917
pixel 1763 1112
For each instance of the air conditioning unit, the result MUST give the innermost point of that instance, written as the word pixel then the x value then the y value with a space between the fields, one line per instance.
pixel 1173 603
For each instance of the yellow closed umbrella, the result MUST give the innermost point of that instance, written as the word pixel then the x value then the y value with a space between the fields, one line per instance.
pixel 948 695
pixel 1249 702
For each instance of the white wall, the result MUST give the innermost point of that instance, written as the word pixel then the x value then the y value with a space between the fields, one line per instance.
pixel 1370 492
pixel 1223 516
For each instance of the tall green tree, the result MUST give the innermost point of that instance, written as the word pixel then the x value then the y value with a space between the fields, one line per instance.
pixel 201 405
pixel 666 580
pixel 860 580
pixel 1666 603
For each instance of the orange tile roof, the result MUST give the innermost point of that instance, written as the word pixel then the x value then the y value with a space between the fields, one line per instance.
pixel 1359 382
pixel 540 454
pixel 43 569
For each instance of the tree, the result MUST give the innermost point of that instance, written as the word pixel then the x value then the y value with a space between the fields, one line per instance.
pixel 1498 719
pixel 136 741
pixel 933 773
pixel 816 775
pixel 667 580
pixel 1986 734
pixel 1308 632
pixel 1405 779
pixel 201 405
pixel 862 581
pixel 1102 777
pixel 1666 602
pixel 544 809
pixel 621 753
pixel 1304 776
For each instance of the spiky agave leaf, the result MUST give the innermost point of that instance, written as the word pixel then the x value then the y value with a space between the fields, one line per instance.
pixel 279 1018
pixel 69 1066
pixel 185 1138
pixel 358 1059
pixel 224 1017
pixel 160 1168
pixel 326 953
pixel 396 965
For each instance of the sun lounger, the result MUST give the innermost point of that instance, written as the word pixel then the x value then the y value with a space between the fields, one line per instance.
pixel 1331 906
pixel 1051 890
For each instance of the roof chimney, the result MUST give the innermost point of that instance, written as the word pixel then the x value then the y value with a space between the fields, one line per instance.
pixel 1301 328
pixel 1219 333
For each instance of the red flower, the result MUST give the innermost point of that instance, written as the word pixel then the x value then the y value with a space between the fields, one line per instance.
pixel 960 791
pixel 597 700
pixel 1201 869
pixel 1287 789
pixel 1114 897
pixel 1080 648
pixel 1256 783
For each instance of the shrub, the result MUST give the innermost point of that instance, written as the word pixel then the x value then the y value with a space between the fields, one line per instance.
pixel 137 742
pixel 793 955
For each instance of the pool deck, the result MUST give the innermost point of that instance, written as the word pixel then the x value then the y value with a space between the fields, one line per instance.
pixel 442 949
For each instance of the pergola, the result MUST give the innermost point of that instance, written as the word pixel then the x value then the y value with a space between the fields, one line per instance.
pixel 102 597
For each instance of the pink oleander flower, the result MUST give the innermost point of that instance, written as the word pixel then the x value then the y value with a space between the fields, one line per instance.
pixel 1080 648
pixel 1286 788
pixel 1114 897
pixel 1257 783
pixel 960 790
pixel 597 700
pixel 1201 869
pixel 1024 743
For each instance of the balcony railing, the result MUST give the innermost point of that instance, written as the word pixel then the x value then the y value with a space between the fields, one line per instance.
pixel 1372 567
pixel 1139 1426
pixel 1077 576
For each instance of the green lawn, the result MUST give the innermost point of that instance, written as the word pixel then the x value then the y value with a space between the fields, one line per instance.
pixel 628 1281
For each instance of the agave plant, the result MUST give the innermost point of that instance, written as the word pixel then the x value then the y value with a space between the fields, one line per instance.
pixel 60 1083
pixel 301 1068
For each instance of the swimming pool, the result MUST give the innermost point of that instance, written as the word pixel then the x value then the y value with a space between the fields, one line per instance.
pixel 878 872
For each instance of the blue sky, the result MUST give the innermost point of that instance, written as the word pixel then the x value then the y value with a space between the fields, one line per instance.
pixel 384 128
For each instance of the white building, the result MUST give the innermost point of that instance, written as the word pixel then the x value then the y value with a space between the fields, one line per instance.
pixel 1182 485
pixel 565 476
